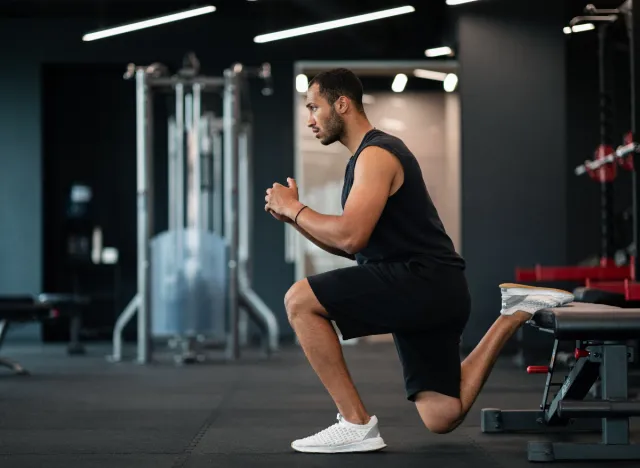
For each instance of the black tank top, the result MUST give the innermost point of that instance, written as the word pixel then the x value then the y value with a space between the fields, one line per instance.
pixel 409 227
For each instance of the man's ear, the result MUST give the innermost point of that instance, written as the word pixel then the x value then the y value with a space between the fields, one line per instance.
pixel 342 105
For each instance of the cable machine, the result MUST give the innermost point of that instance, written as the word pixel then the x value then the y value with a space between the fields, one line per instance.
pixel 194 279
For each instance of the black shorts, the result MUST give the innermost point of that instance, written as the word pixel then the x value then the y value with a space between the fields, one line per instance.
pixel 424 305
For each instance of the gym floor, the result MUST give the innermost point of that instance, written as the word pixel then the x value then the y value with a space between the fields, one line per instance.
pixel 85 412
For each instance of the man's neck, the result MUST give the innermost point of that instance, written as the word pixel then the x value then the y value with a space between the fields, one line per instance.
pixel 355 134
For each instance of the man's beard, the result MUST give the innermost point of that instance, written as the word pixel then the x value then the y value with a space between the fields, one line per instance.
pixel 334 129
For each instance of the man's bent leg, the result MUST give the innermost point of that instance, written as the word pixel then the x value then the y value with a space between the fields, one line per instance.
pixel 322 347
pixel 475 369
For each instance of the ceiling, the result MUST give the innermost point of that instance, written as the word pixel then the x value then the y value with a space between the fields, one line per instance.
pixel 401 36
pixel 120 9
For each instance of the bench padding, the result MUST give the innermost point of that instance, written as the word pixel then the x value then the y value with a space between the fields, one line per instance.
pixel 585 321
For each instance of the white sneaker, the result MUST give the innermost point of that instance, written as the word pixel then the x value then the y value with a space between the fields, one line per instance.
pixel 343 437
pixel 531 299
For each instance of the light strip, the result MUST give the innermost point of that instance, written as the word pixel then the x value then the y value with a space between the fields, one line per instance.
pixel 450 82
pixel 148 23
pixel 429 75
pixel 302 83
pixel 583 27
pixel 459 2
pixel 438 52
pixel 399 82
pixel 332 24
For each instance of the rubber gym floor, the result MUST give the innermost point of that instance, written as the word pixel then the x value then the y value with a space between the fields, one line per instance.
pixel 85 412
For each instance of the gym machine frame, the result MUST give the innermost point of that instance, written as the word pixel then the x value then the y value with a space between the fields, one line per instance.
pixel 608 275
pixel 601 334
pixel 237 203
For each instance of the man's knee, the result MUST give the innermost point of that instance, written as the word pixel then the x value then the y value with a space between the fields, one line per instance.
pixel 439 413
pixel 295 300
pixel 442 424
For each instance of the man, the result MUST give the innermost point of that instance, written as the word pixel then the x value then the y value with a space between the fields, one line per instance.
pixel 408 281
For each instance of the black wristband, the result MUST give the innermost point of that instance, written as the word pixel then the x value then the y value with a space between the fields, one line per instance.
pixel 296 220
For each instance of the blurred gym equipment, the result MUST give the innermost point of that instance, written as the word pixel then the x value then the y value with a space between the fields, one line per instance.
pixel 194 279
pixel 614 274
pixel 26 308
pixel 603 168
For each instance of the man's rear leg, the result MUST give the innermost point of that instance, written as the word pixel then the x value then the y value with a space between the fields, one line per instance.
pixel 442 413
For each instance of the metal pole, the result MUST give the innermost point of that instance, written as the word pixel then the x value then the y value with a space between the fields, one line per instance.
pixel 244 220
pixel 171 179
pixel 179 172
pixel 197 155
pixel 143 132
pixel 216 139
pixel 606 184
pixel 206 187
pixel 231 116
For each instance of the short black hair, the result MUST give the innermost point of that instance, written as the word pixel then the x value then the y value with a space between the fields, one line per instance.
pixel 339 82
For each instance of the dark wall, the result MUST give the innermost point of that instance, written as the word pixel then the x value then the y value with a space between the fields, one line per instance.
pixel 513 147
pixel 583 137
pixel 218 43
pixel 515 179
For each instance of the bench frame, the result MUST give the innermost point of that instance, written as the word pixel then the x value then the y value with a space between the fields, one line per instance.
pixel 568 412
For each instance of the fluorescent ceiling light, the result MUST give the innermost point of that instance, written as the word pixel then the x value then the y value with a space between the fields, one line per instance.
pixel 459 2
pixel 438 52
pixel 579 28
pixel 302 83
pixel 429 75
pixel 399 82
pixel 333 24
pixel 450 82
pixel 148 23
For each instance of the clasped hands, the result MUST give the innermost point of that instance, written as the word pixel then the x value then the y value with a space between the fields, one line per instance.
pixel 282 202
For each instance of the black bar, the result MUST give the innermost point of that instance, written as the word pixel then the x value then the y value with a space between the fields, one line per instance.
pixel 532 421
pixel 172 81
pixel 613 374
pixel 606 187
pixel 576 386
pixel 547 385
pixel 598 409
pixel 552 451
pixel 634 37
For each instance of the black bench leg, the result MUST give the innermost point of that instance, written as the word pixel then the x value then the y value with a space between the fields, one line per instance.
pixel 14 366
pixel 75 346
pixel 17 368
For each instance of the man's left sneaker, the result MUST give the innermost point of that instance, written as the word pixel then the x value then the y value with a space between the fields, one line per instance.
pixel 531 299
pixel 343 437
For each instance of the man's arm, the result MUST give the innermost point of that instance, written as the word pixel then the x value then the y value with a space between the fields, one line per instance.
pixel 350 232
pixel 326 248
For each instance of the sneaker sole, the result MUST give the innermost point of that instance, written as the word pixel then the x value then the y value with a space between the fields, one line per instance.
pixel 524 290
pixel 369 445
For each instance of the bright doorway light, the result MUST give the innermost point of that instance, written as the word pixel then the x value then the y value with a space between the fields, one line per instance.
pixel 438 52
pixel 451 82
pixel 333 24
pixel 302 83
pixel 399 82
pixel 148 23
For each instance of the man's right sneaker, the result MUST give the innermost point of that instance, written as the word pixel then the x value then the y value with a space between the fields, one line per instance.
pixel 343 437
pixel 531 299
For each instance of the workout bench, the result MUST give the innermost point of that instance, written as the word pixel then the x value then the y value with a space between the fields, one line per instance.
pixel 601 333
pixel 28 308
